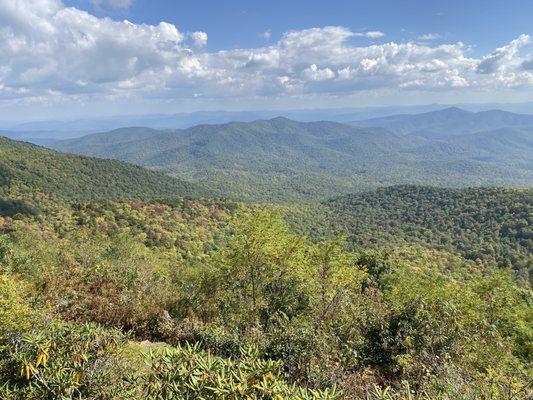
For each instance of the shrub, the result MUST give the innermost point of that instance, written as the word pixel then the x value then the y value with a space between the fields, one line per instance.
pixel 15 313
pixel 186 372
pixel 65 361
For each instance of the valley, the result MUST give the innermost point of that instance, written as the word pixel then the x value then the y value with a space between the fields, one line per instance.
pixel 282 160
pixel 273 258
pixel 253 200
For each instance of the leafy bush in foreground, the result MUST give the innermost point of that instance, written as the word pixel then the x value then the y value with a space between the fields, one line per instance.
pixel 186 372
pixel 387 323
pixel 64 361
pixel 68 361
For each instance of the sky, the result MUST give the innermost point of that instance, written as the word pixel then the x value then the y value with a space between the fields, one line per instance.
pixel 74 58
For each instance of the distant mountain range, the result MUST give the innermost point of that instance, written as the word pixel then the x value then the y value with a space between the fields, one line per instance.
pixel 50 130
pixel 284 160
pixel 449 122
pixel 43 132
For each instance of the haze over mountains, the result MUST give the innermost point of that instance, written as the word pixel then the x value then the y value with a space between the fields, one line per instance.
pixel 284 160
pixel 450 122
pixel 46 131
pixel 49 130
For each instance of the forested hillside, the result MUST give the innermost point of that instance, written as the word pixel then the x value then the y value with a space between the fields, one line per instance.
pixel 113 287
pixel 450 122
pixel 484 224
pixel 285 161
pixel 30 174
pixel 205 298
pixel 404 292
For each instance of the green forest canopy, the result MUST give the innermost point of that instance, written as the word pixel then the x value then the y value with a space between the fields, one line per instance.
pixel 401 292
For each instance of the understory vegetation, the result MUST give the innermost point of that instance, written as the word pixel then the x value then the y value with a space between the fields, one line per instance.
pixel 214 299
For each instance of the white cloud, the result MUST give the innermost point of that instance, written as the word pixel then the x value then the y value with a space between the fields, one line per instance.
pixel 313 73
pixel 49 51
pixel 266 35
pixel 528 65
pixel 199 38
pixel 504 57
pixel 370 34
pixel 429 36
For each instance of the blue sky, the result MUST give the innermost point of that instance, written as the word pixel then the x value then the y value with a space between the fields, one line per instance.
pixel 102 57
pixel 486 24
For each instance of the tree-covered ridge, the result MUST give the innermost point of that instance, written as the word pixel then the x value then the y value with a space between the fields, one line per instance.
pixel 189 228
pixel 286 161
pixel 29 174
pixel 450 122
pixel 489 224
pixel 238 282
pixel 216 299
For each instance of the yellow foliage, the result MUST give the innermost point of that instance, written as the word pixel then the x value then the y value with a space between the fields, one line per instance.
pixel 15 313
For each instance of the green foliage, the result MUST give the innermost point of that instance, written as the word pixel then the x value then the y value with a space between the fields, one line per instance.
pixel 509 308
pixel 68 361
pixel 212 278
pixel 30 174
pixel 188 373
pixel 334 278
pixel 114 281
pixel 485 224
pixel 64 361
pixel 15 312
pixel 280 160
pixel 260 269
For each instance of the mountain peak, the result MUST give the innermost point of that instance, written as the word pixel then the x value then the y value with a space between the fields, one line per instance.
pixel 450 121
pixel 281 119
pixel 453 111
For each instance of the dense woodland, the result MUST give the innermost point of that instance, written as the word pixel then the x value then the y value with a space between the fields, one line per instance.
pixel 481 224
pixel 280 160
pixel 122 283
pixel 33 178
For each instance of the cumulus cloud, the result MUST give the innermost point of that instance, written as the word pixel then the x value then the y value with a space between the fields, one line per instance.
pixel 48 50
pixel 199 38
pixel 503 57
pixel 313 73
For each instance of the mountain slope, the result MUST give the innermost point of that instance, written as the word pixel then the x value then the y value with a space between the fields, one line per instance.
pixel 449 122
pixel 285 160
pixel 265 160
pixel 237 143
pixel 480 223
pixel 512 146
pixel 29 171
pixel 105 139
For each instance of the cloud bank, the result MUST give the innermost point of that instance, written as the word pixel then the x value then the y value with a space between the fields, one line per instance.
pixel 49 51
